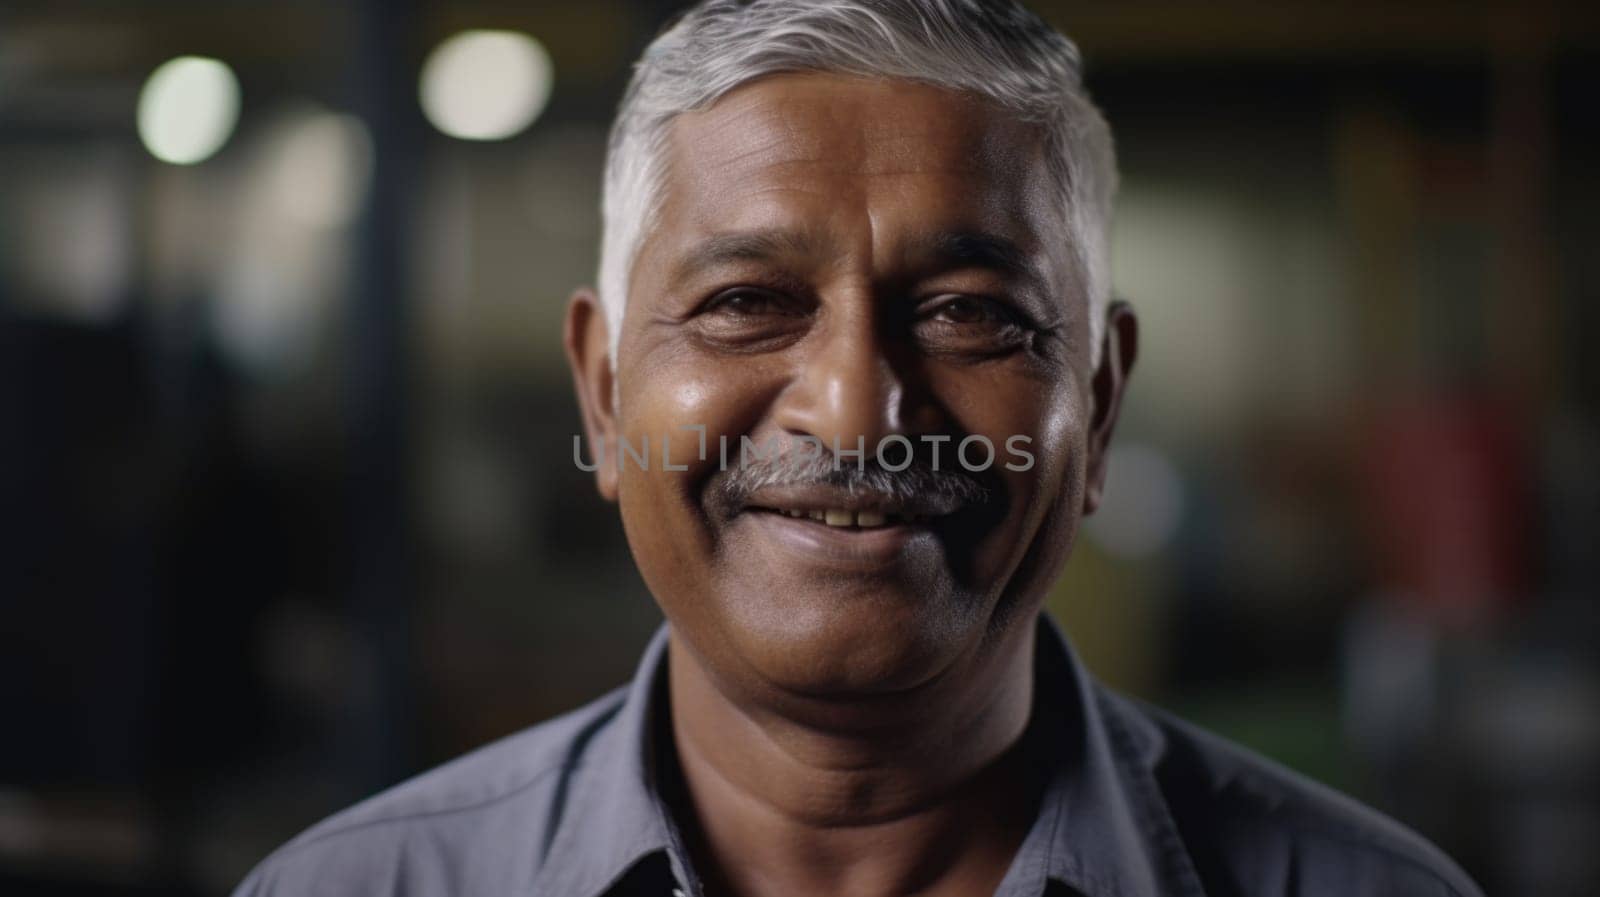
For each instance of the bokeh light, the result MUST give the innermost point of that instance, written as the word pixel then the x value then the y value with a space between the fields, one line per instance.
pixel 486 85
pixel 187 109
pixel 307 173
pixel 320 168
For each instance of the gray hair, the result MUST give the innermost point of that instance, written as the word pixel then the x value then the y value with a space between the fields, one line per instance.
pixel 995 49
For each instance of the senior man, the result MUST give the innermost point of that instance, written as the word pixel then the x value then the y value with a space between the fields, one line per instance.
pixel 867 239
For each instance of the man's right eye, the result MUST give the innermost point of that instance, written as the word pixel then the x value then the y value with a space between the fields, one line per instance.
pixel 751 319
pixel 748 302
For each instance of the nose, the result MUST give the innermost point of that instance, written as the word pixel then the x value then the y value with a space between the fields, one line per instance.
pixel 845 390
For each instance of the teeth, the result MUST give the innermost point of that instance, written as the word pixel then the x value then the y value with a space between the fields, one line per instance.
pixel 841 517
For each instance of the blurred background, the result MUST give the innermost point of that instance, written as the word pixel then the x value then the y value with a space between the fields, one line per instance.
pixel 287 511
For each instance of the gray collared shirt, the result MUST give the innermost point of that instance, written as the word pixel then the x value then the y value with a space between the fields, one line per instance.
pixel 1138 805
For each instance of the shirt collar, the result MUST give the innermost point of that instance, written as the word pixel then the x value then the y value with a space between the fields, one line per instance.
pixel 1102 827
pixel 615 816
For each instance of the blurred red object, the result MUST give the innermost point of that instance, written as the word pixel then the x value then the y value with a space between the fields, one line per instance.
pixel 1449 509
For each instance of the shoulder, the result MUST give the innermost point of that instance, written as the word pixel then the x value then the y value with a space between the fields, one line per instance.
pixel 475 824
pixel 1255 826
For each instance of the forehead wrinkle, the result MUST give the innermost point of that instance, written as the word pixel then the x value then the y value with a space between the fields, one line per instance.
pixel 752 160
pixel 747 130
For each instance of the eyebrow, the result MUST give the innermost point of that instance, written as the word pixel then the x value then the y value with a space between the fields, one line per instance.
pixel 976 249
pixel 743 246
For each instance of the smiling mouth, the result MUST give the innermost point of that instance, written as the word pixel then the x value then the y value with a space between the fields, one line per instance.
pixel 846 518
pixel 839 539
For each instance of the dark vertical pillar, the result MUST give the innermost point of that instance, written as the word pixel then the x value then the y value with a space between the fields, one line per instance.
pixel 378 744
pixel 1522 304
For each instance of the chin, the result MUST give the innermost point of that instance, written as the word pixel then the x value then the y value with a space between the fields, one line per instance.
pixel 847 640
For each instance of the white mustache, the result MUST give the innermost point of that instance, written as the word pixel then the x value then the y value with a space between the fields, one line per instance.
pixel 918 486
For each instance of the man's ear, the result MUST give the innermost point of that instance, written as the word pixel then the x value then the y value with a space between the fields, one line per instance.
pixel 1118 350
pixel 588 348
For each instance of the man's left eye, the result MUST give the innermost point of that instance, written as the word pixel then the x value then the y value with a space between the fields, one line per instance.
pixel 971 325
pixel 970 310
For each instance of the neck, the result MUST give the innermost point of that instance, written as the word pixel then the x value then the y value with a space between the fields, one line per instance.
pixel 934 798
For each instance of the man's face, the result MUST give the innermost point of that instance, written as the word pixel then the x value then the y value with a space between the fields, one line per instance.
pixel 846 259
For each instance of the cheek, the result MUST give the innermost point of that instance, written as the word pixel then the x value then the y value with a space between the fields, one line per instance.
pixel 1051 494
pixel 666 409
pixel 667 396
pixel 677 405
pixel 1039 524
pixel 686 404
pixel 1053 424
pixel 655 406
pixel 1048 413
pixel 1060 432
pixel 657 414
pixel 1061 461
